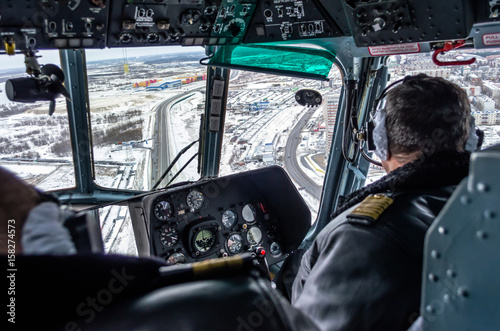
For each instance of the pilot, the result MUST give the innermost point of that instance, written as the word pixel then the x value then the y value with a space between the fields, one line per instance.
pixel 364 269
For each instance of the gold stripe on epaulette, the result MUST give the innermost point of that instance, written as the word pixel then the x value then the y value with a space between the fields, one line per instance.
pixel 371 207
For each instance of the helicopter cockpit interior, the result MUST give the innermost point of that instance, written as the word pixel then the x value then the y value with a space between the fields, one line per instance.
pixel 254 202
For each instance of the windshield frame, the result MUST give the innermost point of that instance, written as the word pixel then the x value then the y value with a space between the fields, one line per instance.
pixel 86 190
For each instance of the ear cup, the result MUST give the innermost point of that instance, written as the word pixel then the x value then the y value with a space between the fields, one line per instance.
pixel 369 135
pixel 376 133
pixel 380 140
pixel 475 139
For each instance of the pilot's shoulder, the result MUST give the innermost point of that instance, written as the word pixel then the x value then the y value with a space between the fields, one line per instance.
pixel 364 213
pixel 368 211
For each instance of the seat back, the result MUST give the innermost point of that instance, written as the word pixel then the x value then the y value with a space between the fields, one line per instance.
pixel 461 272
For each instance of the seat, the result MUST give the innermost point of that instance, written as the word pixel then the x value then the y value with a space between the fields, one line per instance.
pixel 461 272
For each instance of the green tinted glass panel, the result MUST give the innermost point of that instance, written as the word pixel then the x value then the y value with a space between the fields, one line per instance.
pixel 288 60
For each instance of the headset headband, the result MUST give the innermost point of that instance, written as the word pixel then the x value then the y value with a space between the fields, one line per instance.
pixel 389 87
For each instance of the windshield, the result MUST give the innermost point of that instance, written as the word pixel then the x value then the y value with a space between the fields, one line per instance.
pixel 34 145
pixel 145 107
pixel 266 126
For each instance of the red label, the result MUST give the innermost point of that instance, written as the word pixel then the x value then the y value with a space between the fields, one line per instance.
pixel 491 39
pixel 394 49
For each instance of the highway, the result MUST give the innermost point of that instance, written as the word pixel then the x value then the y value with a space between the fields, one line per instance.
pixel 291 163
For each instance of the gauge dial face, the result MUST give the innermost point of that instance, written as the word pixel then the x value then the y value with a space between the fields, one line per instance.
pixel 195 200
pixel 163 210
pixel 275 249
pixel 204 240
pixel 249 214
pixel 169 236
pixel 176 258
pixel 254 236
pixel 235 243
pixel 229 218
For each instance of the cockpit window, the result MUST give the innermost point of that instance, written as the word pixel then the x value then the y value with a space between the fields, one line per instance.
pixel 145 107
pixel 479 80
pixel 266 126
pixel 34 145
pixel 117 233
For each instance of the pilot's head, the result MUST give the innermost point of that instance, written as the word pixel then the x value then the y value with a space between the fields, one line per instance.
pixel 425 115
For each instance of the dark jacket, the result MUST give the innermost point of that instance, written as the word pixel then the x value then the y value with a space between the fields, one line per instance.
pixel 367 275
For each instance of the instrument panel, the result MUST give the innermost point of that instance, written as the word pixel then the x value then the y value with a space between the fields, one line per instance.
pixel 258 211
pixel 58 24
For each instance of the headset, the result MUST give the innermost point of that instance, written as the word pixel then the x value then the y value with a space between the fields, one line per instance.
pixel 375 133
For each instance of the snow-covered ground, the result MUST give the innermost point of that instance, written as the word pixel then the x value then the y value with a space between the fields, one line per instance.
pixel 185 119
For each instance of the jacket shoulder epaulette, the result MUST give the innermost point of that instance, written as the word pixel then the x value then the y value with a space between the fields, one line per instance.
pixel 370 209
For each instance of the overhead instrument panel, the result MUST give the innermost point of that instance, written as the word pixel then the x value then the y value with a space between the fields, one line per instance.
pixel 291 20
pixel 393 22
pixel 257 211
pixel 48 24
pixel 52 24
pixel 179 22
pixel 160 22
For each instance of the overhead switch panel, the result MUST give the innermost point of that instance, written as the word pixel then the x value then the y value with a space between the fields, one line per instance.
pixel 407 21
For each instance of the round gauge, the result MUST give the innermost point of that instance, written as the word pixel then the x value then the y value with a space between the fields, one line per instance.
pixel 195 200
pixel 249 214
pixel 176 258
pixel 229 218
pixel 254 236
pixel 169 236
pixel 163 210
pixel 204 240
pixel 235 243
pixel 275 249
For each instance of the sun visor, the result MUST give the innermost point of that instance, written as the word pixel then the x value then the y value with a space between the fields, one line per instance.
pixel 290 60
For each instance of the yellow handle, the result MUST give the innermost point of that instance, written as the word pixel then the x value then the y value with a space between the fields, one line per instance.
pixel 10 46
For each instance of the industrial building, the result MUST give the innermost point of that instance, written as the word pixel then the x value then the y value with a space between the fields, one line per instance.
pixel 145 83
pixel 191 79
pixel 163 85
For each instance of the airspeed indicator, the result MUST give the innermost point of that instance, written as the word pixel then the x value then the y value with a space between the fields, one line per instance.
pixel 163 210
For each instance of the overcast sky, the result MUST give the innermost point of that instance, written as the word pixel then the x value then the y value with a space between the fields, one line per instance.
pixel 17 61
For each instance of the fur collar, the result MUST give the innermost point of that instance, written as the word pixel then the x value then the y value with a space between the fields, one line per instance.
pixel 440 169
